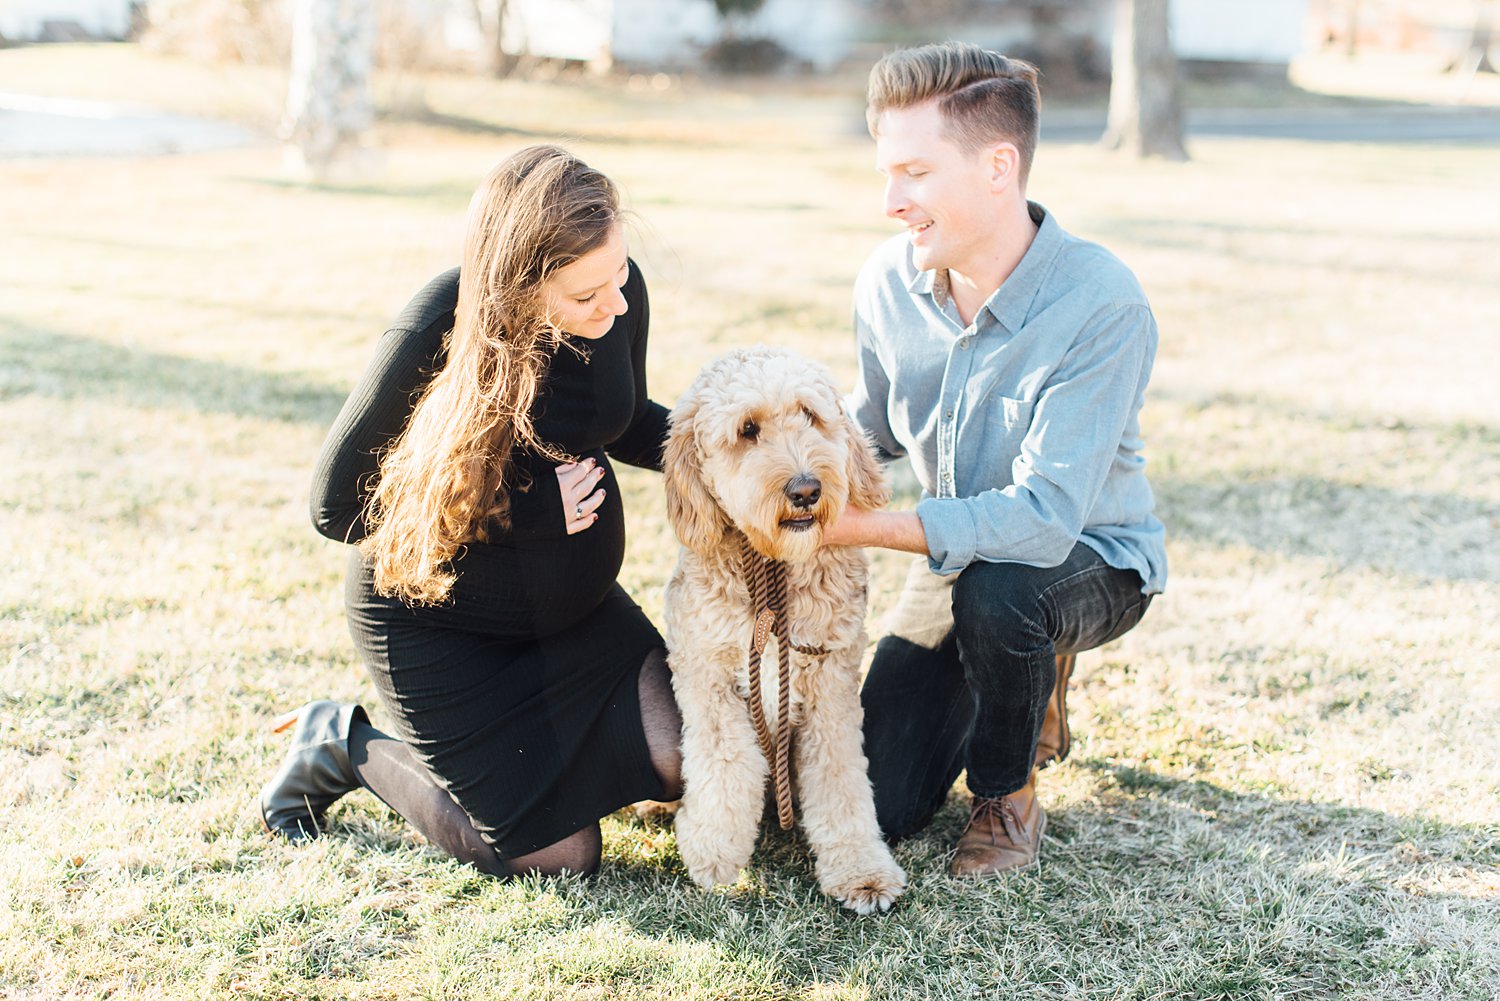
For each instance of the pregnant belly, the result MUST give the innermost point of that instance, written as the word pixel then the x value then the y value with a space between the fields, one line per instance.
pixel 518 589
pixel 540 586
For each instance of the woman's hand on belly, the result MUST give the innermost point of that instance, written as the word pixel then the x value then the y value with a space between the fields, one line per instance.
pixel 581 493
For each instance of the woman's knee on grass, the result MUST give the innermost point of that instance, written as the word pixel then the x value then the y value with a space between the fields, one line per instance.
pixel 579 853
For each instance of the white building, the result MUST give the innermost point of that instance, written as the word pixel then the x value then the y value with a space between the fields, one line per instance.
pixel 1253 35
pixel 49 20
pixel 1260 32
pixel 674 34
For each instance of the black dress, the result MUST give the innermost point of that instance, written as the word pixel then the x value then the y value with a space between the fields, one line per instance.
pixel 519 692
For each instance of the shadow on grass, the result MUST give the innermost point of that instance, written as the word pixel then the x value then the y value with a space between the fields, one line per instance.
pixel 1302 252
pixel 1189 235
pixel 747 208
pixel 629 134
pixel 455 193
pixel 1130 794
pixel 1156 887
pixel 1292 113
pixel 37 362
pixel 1352 521
pixel 470 125
pixel 1404 532
pixel 1353 525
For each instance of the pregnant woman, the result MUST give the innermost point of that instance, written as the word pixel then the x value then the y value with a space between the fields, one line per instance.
pixel 471 466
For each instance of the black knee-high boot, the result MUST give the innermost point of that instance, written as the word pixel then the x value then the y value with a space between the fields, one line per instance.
pixel 334 751
pixel 315 772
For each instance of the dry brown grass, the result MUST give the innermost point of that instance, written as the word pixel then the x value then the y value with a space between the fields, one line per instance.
pixel 1286 780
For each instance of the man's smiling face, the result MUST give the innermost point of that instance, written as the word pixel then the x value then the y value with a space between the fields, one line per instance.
pixel 934 187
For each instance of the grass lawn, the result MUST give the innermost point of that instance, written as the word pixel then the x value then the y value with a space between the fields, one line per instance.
pixel 1285 782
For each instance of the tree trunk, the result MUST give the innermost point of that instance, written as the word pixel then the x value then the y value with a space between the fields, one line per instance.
pixel 491 16
pixel 1476 57
pixel 504 63
pixel 329 111
pixel 1145 103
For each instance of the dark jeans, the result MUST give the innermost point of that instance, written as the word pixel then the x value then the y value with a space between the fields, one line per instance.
pixel 964 678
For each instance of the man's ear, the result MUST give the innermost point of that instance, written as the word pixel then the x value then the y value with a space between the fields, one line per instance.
pixel 1005 165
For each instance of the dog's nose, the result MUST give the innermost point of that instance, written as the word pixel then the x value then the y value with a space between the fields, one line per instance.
pixel 803 491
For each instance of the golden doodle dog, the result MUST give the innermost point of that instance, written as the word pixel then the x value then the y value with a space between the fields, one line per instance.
pixel 760 457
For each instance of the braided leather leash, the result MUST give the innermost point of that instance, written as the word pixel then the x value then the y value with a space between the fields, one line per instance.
pixel 766 581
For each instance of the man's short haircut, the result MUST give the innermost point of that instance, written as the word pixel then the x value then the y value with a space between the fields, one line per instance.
pixel 984 97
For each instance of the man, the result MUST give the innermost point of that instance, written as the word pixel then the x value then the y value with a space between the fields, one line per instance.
pixel 1008 361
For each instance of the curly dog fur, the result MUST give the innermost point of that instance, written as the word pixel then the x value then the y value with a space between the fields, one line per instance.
pixel 760 442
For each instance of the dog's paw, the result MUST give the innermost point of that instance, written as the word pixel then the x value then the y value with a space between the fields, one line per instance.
pixel 654 812
pixel 714 873
pixel 873 890
pixel 704 852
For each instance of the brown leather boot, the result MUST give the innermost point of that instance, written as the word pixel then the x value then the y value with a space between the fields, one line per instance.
pixel 1056 739
pixel 1003 833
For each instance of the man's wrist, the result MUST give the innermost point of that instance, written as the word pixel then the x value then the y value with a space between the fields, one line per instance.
pixel 898 530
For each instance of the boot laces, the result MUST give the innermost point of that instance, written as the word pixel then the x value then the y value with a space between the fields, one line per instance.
pixel 995 813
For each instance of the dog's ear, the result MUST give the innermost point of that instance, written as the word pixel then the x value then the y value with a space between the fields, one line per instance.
pixel 867 486
pixel 695 516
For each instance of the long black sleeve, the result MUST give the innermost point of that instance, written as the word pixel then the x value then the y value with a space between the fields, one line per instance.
pixel 580 406
pixel 645 439
pixel 373 416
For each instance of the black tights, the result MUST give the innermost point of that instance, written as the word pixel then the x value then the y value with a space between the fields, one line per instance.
pixel 389 769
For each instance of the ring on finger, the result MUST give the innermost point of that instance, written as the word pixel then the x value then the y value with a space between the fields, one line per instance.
pixel 578 511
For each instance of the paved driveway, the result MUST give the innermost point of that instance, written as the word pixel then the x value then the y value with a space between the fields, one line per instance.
pixel 1379 123
pixel 41 127
pixel 47 126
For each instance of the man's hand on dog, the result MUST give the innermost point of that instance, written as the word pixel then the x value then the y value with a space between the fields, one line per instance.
pixel 901 530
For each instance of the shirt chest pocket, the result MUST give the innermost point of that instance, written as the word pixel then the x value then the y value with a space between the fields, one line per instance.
pixel 1005 421
pixel 1008 413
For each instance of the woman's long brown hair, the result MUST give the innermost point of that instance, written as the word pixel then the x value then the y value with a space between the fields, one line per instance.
pixel 446 480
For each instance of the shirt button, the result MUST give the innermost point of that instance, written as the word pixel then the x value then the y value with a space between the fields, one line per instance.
pixel 948 415
pixel 947 477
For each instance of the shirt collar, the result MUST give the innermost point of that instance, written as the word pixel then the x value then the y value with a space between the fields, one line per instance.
pixel 1012 300
pixel 920 282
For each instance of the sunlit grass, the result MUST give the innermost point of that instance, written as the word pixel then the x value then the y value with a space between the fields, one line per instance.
pixel 1285 782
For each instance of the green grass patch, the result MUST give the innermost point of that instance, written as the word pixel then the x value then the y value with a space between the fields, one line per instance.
pixel 1284 783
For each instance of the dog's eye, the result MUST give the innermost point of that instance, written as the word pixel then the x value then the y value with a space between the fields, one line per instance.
pixel 749 430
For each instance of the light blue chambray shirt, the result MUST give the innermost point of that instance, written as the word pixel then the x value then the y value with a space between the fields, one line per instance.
pixel 1023 427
